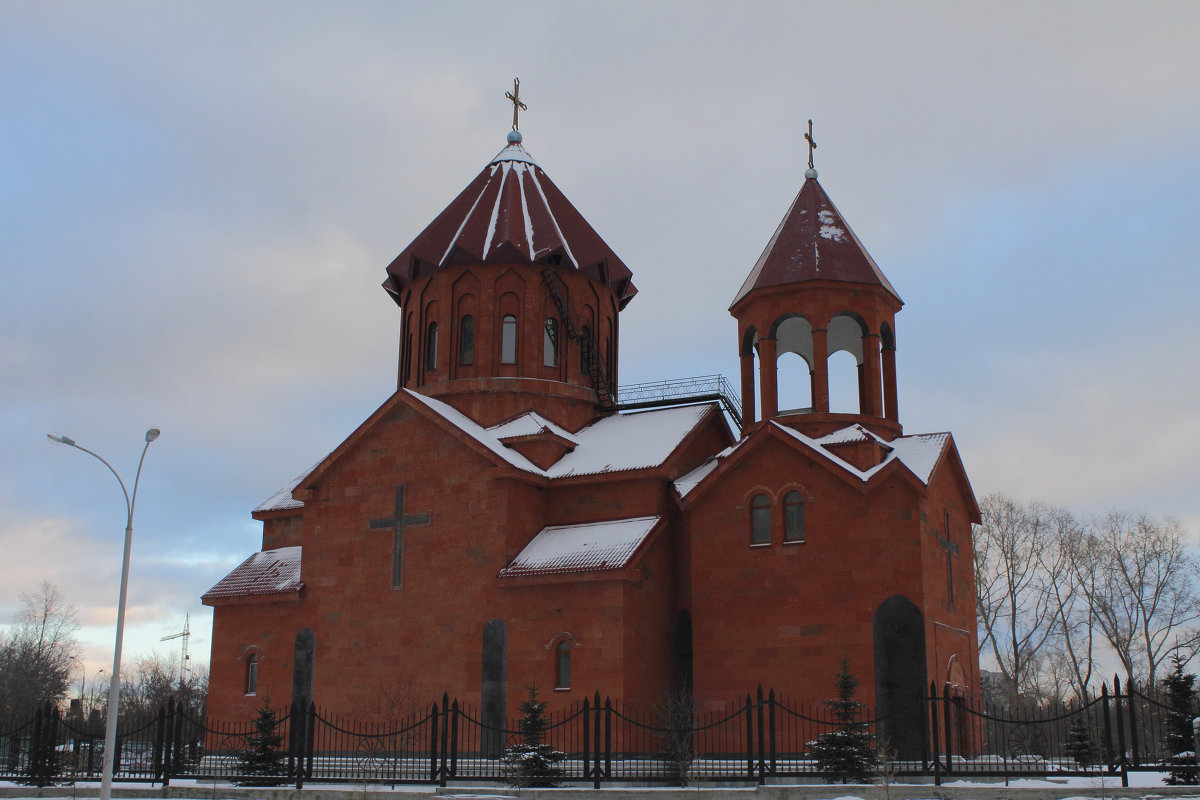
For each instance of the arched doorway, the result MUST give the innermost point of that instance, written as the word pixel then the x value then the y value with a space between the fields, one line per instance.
pixel 900 675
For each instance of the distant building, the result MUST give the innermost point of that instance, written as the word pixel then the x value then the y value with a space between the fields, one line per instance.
pixel 496 523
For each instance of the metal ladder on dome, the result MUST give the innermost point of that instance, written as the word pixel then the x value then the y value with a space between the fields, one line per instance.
pixel 591 364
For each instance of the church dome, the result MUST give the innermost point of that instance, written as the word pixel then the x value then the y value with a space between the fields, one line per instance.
pixel 512 213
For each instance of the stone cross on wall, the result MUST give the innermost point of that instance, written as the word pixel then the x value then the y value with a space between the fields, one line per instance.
pixel 397 523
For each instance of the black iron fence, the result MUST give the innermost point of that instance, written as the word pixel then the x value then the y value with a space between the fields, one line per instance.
pixel 761 737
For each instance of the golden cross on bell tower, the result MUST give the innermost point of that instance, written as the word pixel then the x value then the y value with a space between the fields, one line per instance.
pixel 515 97
pixel 812 145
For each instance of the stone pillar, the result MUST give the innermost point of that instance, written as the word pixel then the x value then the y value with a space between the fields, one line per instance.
pixel 889 384
pixel 768 378
pixel 494 688
pixel 872 400
pixel 820 397
pixel 303 662
pixel 747 363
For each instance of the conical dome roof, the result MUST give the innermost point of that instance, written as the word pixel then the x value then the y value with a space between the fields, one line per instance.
pixel 511 213
pixel 813 243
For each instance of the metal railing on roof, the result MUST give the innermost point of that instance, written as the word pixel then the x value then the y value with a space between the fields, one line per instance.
pixel 682 392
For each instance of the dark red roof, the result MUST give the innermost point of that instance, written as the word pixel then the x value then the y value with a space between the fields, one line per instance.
pixel 813 242
pixel 511 213
pixel 268 572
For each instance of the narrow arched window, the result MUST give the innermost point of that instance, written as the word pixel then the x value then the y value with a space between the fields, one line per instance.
pixel 252 673
pixel 585 349
pixel 562 665
pixel 793 517
pixel 508 339
pixel 550 343
pixel 466 340
pixel 760 519
pixel 431 347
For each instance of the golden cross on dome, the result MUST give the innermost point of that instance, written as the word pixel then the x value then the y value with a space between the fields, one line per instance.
pixel 515 97
pixel 812 145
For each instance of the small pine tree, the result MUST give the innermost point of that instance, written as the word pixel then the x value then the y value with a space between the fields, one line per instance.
pixel 532 762
pixel 847 754
pixel 1180 710
pixel 1079 744
pixel 262 759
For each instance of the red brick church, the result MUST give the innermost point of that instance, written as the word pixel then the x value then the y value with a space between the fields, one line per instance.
pixel 504 519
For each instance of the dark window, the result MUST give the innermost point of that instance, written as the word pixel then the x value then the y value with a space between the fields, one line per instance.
pixel 252 673
pixel 760 519
pixel 550 343
pixel 431 347
pixel 793 517
pixel 466 340
pixel 562 665
pixel 508 340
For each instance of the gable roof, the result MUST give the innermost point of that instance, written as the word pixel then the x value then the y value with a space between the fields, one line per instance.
pixel 918 454
pixel 590 547
pixel 266 573
pixel 813 242
pixel 511 213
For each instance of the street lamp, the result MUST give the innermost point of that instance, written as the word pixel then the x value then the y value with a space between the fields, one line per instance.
pixel 114 684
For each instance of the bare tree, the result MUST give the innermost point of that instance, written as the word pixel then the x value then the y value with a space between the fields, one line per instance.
pixel 157 679
pixel 37 657
pixel 1145 600
pixel 1017 564
pixel 1076 624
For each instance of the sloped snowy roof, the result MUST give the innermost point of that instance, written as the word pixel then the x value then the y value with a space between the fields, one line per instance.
pixel 511 213
pixel 582 548
pixel 613 444
pixel 282 500
pixel 919 452
pixel 269 572
pixel 529 424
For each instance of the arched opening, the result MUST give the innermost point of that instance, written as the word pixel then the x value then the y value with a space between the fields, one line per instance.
pixel 466 340
pixel 845 338
pixel 562 665
pixel 431 347
pixel 751 408
pixel 760 519
pixel 508 339
pixel 795 383
pixel 900 674
pixel 252 674
pixel 793 517
pixel 550 343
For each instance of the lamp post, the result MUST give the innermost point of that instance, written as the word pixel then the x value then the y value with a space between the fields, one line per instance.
pixel 114 683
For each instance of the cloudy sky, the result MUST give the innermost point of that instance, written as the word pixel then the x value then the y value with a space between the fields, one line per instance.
pixel 198 200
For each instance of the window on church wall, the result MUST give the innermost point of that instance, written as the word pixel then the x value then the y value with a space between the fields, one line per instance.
pixel 466 340
pixel 252 674
pixel 562 665
pixel 793 517
pixel 508 339
pixel 431 347
pixel 760 519
pixel 550 343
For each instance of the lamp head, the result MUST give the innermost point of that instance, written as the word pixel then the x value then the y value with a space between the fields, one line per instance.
pixel 58 438
pixel 152 434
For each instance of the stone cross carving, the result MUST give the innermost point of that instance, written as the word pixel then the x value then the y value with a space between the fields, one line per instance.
pixel 951 550
pixel 515 97
pixel 812 145
pixel 397 523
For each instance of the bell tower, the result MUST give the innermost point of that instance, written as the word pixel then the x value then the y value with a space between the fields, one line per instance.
pixel 816 292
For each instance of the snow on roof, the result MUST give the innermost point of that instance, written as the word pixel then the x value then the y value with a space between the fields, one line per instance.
pixel 514 152
pixel 269 572
pixel 282 500
pixel 629 441
pixel 529 424
pixel 613 444
pixel 919 452
pixel 582 548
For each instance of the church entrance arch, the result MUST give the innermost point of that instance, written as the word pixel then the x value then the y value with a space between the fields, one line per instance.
pixel 900 675
pixel 493 701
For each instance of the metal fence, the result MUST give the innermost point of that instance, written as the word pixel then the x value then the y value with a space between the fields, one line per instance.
pixel 759 738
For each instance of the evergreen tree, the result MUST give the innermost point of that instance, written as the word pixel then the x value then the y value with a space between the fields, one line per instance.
pixel 1079 744
pixel 533 762
pixel 262 759
pixel 1178 739
pixel 847 754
